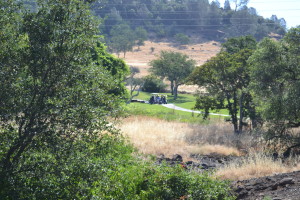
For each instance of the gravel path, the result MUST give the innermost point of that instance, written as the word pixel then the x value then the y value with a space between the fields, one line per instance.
pixel 172 106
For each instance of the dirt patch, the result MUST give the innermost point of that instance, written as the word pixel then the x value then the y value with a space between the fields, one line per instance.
pixel 199 52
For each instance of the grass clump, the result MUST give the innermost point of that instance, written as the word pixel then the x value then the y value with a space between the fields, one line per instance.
pixel 253 166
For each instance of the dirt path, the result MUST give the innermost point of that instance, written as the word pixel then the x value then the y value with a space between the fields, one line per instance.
pixel 172 106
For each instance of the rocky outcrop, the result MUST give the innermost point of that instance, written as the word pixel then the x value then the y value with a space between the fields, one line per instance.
pixel 278 187
pixel 203 162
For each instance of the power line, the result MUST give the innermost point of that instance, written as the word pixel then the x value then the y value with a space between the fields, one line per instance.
pixel 211 25
pixel 188 11
pixel 189 19
pixel 187 3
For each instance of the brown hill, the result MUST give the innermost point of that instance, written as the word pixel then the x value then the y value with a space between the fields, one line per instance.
pixel 141 58
pixel 200 52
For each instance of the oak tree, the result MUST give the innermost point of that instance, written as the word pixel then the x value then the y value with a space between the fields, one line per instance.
pixel 174 66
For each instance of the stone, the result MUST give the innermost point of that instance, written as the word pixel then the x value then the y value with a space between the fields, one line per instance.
pixel 177 158
pixel 286 181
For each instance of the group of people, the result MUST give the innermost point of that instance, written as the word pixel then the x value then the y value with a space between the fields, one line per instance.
pixel 158 99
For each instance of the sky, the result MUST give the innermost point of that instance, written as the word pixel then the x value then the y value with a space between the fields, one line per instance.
pixel 287 9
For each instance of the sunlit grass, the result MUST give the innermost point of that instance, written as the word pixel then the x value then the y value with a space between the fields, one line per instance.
pixel 184 100
pixel 256 165
pixel 167 114
pixel 155 136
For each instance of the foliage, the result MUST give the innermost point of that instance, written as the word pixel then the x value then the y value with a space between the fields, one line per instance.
pixel 226 78
pixel 174 66
pixel 122 38
pixel 153 84
pixel 141 35
pixel 182 38
pixel 276 85
pixel 53 95
pixel 117 67
pixel 239 4
pixel 57 93
pixel 134 83
pixel 168 18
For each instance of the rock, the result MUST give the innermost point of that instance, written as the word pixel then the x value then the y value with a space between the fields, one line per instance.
pixel 274 187
pixel 204 166
pixel 177 158
pixel 189 163
pixel 286 181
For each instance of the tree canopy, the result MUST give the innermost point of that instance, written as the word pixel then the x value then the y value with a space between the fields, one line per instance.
pixel 226 78
pixel 208 18
pixel 53 92
pixel 174 66
pixel 275 73
pixel 123 38
pixel 60 93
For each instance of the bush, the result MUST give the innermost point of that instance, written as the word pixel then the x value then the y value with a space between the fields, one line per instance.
pixel 153 84
pixel 104 169
pixel 182 38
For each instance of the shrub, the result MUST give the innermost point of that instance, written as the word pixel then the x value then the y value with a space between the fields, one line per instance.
pixel 153 84
pixel 182 38
pixel 105 169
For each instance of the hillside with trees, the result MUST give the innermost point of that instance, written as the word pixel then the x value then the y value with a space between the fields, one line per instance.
pixel 168 18
pixel 130 22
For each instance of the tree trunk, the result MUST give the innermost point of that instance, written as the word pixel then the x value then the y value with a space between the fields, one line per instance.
pixel 241 113
pixel 172 87
pixel 253 118
pixel 234 113
pixel 175 91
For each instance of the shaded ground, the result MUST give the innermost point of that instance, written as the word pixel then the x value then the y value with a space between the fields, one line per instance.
pixel 278 187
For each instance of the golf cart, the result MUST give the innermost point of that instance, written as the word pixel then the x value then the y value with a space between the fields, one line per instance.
pixel 157 98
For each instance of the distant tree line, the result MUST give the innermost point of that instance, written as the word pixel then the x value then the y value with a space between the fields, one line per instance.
pixel 168 18
pixel 129 23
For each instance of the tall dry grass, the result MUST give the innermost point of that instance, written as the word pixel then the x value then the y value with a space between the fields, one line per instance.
pixel 155 136
pixel 256 165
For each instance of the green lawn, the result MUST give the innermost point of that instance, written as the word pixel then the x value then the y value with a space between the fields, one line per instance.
pixel 184 100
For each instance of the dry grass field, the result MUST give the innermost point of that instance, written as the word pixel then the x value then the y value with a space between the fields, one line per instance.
pixel 256 165
pixel 155 136
pixel 141 58
pixel 200 52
